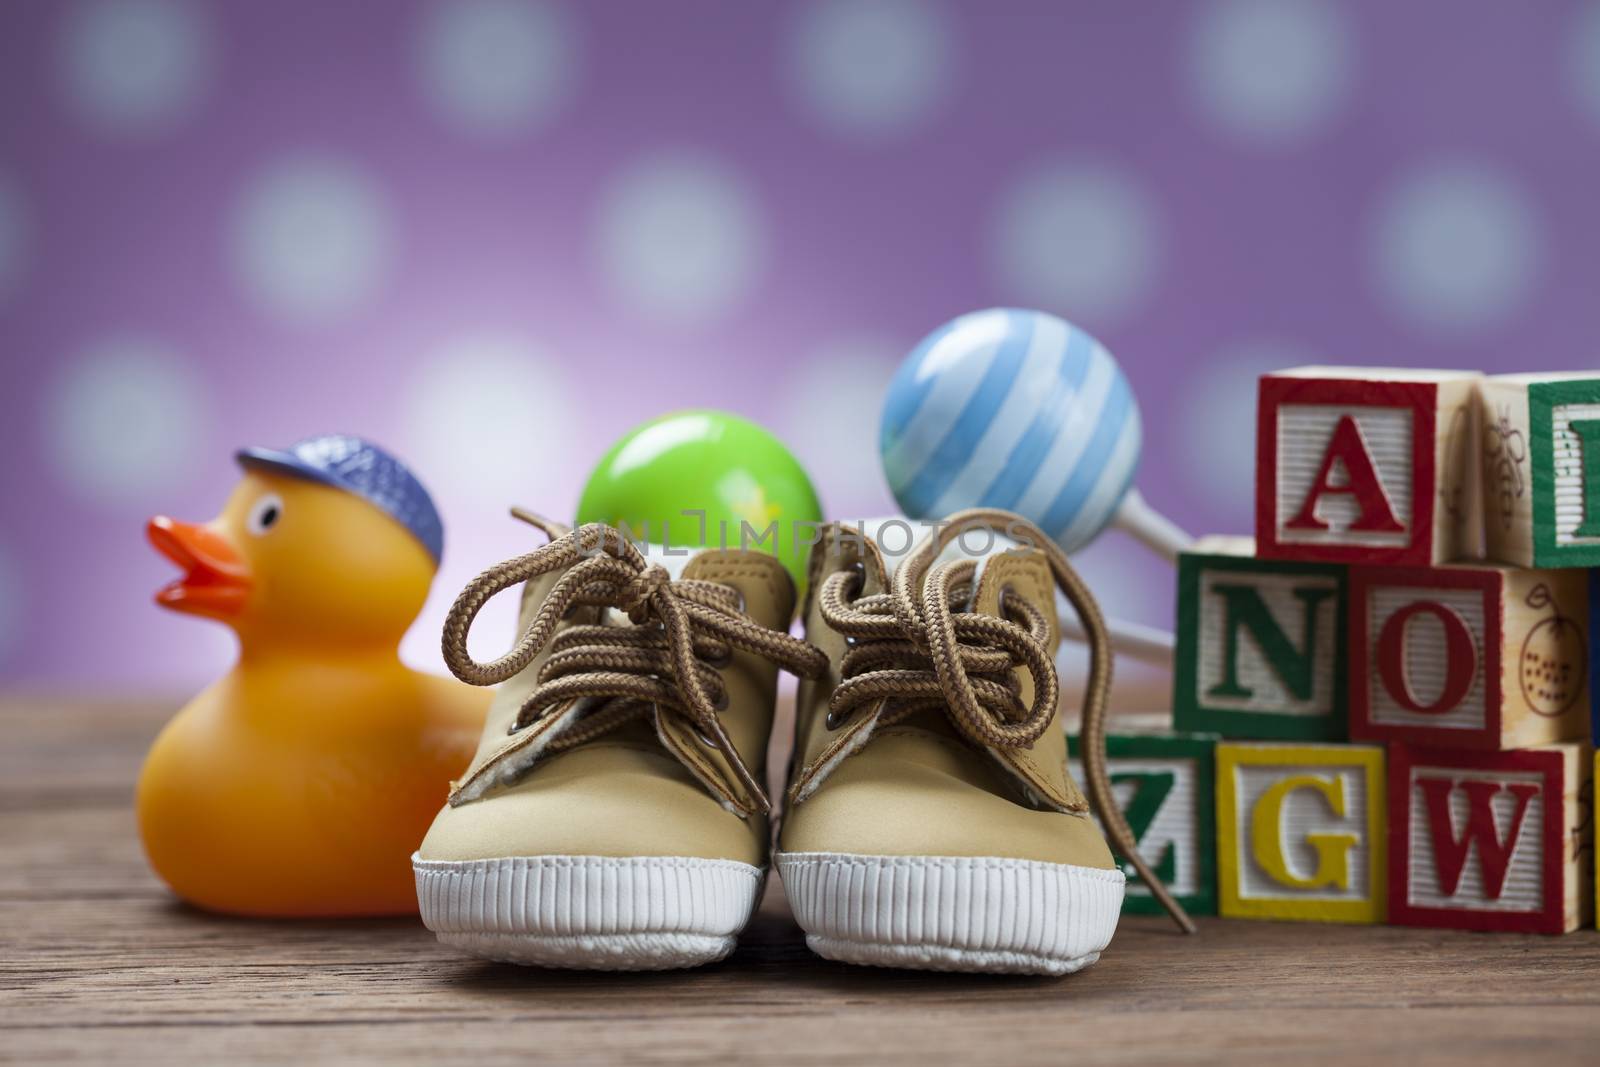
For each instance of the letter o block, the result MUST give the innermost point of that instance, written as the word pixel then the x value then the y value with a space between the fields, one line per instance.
pixel 1367 466
pixel 1300 832
pixel 1492 840
pixel 1474 656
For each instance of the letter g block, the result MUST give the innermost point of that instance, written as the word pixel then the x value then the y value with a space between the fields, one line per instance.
pixel 1300 832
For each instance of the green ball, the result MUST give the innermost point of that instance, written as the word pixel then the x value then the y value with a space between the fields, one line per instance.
pixel 754 493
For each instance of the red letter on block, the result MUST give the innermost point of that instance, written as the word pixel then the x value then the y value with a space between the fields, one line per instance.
pixel 1450 852
pixel 1461 658
pixel 1361 481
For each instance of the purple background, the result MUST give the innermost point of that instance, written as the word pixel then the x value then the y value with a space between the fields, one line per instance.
pixel 611 210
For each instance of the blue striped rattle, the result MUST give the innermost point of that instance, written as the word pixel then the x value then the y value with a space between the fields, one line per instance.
pixel 1024 411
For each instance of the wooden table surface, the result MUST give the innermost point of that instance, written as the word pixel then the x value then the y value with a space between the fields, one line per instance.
pixel 99 963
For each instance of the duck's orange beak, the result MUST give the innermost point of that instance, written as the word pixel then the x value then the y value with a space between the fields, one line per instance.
pixel 215 581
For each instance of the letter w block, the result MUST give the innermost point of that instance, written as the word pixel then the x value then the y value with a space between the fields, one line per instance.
pixel 1490 841
pixel 1368 466
pixel 1260 645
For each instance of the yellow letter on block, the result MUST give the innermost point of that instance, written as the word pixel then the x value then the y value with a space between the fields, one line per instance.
pixel 1300 831
pixel 1333 850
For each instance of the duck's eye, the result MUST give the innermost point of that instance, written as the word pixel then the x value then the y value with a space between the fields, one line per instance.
pixel 264 514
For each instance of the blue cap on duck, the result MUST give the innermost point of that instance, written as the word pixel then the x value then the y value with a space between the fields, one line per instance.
pixel 358 466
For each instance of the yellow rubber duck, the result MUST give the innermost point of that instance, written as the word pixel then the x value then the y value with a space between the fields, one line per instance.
pixel 301 782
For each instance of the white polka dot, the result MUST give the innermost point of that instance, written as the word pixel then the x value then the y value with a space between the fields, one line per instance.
pixel 136 66
pixel 833 401
pixel 1584 60
pixel 13 237
pixel 680 239
pixel 1078 239
pixel 12 606
pixel 1271 70
pixel 1214 436
pixel 1456 248
pixel 497 67
pixel 871 67
pixel 487 416
pixel 312 240
pixel 125 422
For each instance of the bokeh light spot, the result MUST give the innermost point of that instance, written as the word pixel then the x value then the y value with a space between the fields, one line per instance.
pixel 486 417
pixel 1456 248
pixel 312 239
pixel 498 67
pixel 869 68
pixel 126 422
pixel 680 239
pixel 1271 70
pixel 1076 239
pixel 136 66
pixel 1584 63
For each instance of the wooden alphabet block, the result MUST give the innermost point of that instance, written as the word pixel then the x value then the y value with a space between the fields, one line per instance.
pixel 1260 645
pixel 1594 655
pixel 1491 840
pixel 1166 787
pixel 1300 832
pixel 1474 656
pixel 1541 468
pixel 1367 466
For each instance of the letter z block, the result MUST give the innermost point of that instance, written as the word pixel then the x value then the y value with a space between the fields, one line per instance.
pixel 1165 785
pixel 1491 841
pixel 1260 645
pixel 1367 466
pixel 1474 656
pixel 1300 832
pixel 1541 468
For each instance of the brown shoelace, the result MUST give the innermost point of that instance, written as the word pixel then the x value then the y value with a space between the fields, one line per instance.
pixel 682 631
pixel 916 648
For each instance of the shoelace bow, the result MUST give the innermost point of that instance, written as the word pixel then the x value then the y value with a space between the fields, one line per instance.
pixel 916 647
pixel 682 632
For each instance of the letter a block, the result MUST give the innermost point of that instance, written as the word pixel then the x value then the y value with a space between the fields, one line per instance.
pixel 1300 832
pixel 1165 785
pixel 1367 466
pixel 1491 841
pixel 1260 645
pixel 1474 656
pixel 1541 469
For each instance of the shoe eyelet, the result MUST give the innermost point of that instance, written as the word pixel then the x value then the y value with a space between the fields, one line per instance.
pixel 721 702
pixel 835 721
pixel 718 663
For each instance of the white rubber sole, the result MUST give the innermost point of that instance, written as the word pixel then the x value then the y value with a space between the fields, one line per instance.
pixel 635 913
pixel 952 913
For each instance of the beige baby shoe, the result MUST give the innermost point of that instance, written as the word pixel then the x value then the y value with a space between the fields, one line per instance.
pixel 611 819
pixel 932 822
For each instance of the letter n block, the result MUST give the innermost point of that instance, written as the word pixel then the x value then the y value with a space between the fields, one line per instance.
pixel 1165 785
pixel 1300 832
pixel 1367 466
pixel 1260 645
pixel 1491 840
pixel 1474 656
pixel 1541 469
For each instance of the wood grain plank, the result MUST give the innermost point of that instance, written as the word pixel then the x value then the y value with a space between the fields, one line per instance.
pixel 98 963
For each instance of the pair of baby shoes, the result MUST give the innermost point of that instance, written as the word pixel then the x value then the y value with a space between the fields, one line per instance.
pixel 615 815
